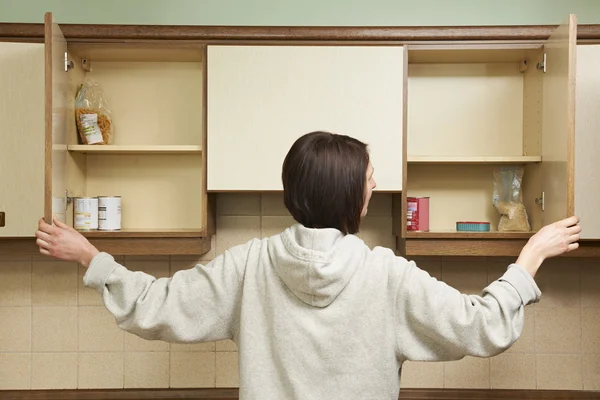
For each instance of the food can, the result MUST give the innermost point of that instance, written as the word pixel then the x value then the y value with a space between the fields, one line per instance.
pixel 417 218
pixel 109 213
pixel 85 213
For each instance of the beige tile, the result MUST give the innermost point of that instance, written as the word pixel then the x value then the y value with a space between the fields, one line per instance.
pixel 100 371
pixel 54 329
pixel 15 283
pixel 192 370
pixel 238 204
pixel 468 373
pixel 272 205
pixel 16 258
pixel 146 370
pixel 87 296
pixel 513 371
pixel 377 231
pixel 15 331
pixel 422 375
pixel 226 345
pixel 496 268
pixel 158 269
pixel 591 371
pixel 15 371
pixel 526 342
pixel 558 330
pixel 227 370
pixel 191 347
pixel 590 285
pixel 274 225
pixel 590 318
pixel 136 343
pixel 54 283
pixel 432 267
pixel 559 372
pixel 98 331
pixel 468 277
pixel 54 371
pixel 380 205
pixel 560 285
pixel 233 231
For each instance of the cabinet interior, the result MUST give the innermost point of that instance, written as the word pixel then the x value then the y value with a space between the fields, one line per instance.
pixel 155 163
pixel 471 110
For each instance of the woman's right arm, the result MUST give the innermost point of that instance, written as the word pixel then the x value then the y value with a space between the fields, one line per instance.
pixel 435 322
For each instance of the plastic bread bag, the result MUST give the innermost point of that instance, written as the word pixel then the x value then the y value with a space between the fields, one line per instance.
pixel 92 114
pixel 508 199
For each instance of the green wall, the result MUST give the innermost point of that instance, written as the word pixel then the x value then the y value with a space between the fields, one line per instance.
pixel 303 12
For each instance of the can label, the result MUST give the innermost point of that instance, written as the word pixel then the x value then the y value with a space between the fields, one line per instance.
pixel 109 213
pixel 417 214
pixel 85 213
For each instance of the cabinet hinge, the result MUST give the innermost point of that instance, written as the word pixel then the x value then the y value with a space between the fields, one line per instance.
pixel 68 200
pixel 541 201
pixel 86 65
pixel 68 63
pixel 542 64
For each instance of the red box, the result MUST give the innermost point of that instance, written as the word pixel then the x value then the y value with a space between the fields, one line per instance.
pixel 417 214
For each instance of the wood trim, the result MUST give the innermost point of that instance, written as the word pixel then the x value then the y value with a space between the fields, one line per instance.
pixel 482 247
pixel 342 33
pixel 48 118
pixel 233 394
pixel 571 95
pixel 122 246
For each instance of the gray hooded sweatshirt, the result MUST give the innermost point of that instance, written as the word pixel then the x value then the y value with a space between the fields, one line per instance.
pixel 317 314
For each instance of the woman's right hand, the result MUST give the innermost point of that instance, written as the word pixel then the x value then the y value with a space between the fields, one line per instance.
pixel 550 241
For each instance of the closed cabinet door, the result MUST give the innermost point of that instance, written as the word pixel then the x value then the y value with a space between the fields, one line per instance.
pixel 22 156
pixel 260 99
pixel 587 140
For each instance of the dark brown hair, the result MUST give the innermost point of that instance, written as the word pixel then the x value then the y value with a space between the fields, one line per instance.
pixel 324 177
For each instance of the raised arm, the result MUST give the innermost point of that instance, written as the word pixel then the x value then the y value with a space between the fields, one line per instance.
pixel 435 322
pixel 194 305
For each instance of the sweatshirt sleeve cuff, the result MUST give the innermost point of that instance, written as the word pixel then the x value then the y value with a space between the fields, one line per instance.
pixel 100 268
pixel 523 282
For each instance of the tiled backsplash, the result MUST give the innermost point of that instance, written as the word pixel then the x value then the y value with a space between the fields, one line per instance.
pixel 55 333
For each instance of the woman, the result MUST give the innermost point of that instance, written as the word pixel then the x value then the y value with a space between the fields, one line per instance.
pixel 315 313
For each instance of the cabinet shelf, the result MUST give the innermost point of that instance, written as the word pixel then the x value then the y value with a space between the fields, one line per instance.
pixel 469 235
pixel 135 149
pixel 474 160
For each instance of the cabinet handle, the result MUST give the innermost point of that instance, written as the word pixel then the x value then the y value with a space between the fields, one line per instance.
pixel 2 219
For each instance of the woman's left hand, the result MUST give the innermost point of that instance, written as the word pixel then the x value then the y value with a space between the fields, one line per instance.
pixel 63 242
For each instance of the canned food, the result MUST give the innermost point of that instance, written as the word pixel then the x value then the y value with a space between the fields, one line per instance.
pixel 417 218
pixel 109 213
pixel 85 213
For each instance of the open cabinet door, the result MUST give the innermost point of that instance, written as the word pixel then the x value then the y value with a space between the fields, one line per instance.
pixel 56 88
pixel 21 138
pixel 558 122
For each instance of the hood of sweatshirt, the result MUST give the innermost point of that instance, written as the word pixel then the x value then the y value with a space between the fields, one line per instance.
pixel 316 264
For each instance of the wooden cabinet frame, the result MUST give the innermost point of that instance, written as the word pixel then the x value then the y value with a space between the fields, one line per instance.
pixel 174 243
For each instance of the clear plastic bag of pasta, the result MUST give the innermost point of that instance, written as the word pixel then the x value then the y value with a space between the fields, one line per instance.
pixel 508 199
pixel 92 115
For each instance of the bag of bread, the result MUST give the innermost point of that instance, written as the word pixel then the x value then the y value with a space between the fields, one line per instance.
pixel 508 199
pixel 92 115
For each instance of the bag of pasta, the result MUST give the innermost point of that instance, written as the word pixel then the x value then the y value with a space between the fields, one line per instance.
pixel 92 114
pixel 508 199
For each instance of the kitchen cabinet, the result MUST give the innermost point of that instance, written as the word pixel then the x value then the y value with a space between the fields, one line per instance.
pixel 472 108
pixel 202 110
pixel 262 98
pixel 156 162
